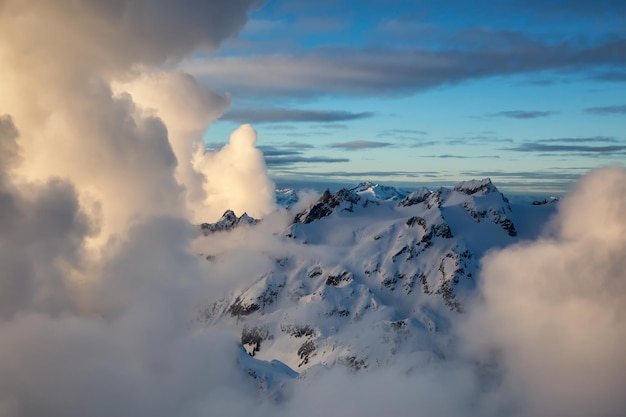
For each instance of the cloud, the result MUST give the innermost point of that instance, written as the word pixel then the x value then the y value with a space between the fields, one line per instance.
pixel 367 71
pixel 359 144
pixel 292 160
pixel 593 139
pixel 280 127
pixel 611 76
pixel 479 139
pixel 86 70
pixel 555 327
pixel 297 145
pixel 583 149
pixel 539 175
pixel 522 114
pixel 334 126
pixel 607 110
pixel 449 156
pixel 402 133
pixel 292 115
pixel 236 177
pixel 293 153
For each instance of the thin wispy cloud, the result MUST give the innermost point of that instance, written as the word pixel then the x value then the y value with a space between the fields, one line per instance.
pixel 593 139
pixel 297 145
pixel 280 127
pixel 611 76
pixel 259 116
pixel 272 161
pixel 581 149
pixel 450 156
pixel 333 126
pixel 523 114
pixel 359 144
pixel 405 134
pixel 607 110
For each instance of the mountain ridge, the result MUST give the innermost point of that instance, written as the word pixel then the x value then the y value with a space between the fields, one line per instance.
pixel 404 263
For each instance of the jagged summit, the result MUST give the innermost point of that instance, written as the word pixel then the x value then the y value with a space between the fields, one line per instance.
pixel 375 191
pixel 415 197
pixel 343 199
pixel 228 221
pixel 471 187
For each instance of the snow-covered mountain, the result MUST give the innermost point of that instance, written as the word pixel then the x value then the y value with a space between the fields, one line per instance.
pixel 398 264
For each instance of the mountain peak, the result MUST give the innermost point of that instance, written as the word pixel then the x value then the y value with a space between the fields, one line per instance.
pixel 375 191
pixel 483 186
pixel 344 198
pixel 228 221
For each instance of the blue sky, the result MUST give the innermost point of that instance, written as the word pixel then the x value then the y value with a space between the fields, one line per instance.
pixel 529 93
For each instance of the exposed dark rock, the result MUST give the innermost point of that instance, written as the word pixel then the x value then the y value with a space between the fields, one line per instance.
pixel 341 312
pixel 228 221
pixel 305 352
pixel 508 226
pixel 475 186
pixel 326 205
pixel 314 271
pixel 442 230
pixel 335 280
pixel 251 337
pixel 415 197
pixel 415 220
pixel 353 362
pixel 298 330
pixel 239 308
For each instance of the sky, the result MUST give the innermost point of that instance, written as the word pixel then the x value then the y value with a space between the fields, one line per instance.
pixel 529 93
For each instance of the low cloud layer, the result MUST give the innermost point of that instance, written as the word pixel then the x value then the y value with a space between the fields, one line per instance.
pixel 551 311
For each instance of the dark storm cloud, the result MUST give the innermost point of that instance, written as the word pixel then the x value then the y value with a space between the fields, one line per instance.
pixel 292 115
pixel 359 144
pixel 606 110
pixel 522 114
